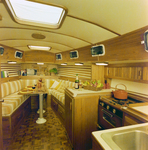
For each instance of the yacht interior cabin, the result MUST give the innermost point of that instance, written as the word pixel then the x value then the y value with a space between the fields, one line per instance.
pixel 74 74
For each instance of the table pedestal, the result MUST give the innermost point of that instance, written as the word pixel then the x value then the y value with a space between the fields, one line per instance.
pixel 41 120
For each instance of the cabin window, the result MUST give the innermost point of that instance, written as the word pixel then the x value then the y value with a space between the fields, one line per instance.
pixel 37 14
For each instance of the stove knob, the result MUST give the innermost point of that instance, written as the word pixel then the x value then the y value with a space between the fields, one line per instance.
pixel 107 106
pixel 114 111
pixel 102 104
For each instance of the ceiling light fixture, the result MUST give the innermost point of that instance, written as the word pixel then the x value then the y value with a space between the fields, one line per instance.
pixel 44 48
pixel 40 63
pixel 11 62
pixel 64 64
pixel 36 14
pixel 79 64
pixel 102 63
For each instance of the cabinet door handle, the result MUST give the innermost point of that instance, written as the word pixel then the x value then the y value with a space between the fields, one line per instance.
pixel 140 73
pixel 70 105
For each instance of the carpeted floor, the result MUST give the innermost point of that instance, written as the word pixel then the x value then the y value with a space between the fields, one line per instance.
pixel 31 136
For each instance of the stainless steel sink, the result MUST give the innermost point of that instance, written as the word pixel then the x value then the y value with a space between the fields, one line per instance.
pixel 127 139
pixel 134 140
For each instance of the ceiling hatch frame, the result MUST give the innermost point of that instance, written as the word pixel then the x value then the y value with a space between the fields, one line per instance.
pixel 37 10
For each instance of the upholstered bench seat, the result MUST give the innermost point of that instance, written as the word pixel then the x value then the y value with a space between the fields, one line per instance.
pixel 60 96
pixel 11 103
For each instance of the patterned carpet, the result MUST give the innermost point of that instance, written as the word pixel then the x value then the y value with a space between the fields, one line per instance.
pixel 31 136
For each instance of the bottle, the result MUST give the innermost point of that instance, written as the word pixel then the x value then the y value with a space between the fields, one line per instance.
pixel 77 82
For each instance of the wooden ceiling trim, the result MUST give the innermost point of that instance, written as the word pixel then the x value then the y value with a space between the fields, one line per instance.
pixel 47 31
pixel 94 24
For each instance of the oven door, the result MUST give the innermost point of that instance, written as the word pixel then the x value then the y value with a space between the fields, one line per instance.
pixel 107 119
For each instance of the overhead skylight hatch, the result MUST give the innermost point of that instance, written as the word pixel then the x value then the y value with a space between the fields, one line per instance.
pixel 36 14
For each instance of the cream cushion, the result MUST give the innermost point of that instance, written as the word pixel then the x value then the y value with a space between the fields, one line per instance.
pixel 55 84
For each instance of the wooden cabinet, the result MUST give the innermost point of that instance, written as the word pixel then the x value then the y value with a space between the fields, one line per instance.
pixel 58 108
pixel 11 123
pixel 96 145
pixel 127 72
pixel 81 115
pixel 131 119
pixel 68 115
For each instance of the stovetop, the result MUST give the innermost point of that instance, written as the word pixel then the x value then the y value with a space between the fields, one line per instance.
pixel 119 103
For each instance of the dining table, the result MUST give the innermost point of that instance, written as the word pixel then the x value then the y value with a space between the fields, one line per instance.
pixel 40 91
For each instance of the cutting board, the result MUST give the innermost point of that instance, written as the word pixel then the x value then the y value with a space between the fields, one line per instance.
pixel 140 108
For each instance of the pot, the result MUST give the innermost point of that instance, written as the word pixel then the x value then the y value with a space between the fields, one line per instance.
pixel 120 94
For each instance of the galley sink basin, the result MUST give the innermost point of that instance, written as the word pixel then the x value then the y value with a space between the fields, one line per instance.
pixel 132 140
pixel 127 139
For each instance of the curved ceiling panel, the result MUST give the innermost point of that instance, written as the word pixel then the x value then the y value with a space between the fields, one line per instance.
pixel 87 23
pixel 13 33
pixel 85 30
pixel 23 43
pixel 120 16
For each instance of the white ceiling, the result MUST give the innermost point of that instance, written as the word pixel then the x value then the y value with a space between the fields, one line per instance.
pixel 87 22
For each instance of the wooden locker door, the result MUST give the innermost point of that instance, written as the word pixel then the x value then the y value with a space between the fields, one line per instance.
pixel 1 132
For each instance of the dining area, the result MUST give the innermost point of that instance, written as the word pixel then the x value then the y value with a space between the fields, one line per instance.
pixel 39 89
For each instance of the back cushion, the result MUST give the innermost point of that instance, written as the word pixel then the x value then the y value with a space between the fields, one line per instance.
pixel 48 82
pixel 26 83
pixel 6 89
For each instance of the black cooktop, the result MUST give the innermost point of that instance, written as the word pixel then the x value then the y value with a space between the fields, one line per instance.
pixel 123 103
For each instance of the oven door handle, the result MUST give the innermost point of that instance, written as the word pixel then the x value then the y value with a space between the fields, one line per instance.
pixel 110 115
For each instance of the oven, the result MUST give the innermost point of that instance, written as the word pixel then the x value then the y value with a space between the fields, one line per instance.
pixel 109 116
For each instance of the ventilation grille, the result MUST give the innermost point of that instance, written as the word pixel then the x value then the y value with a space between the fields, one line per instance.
pixel 12 70
pixel 84 72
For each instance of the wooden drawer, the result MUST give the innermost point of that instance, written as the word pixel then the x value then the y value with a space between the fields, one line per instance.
pixel 54 104
pixel 6 124
pixel 61 112
pixel 16 119
pixel 131 120
pixel 27 108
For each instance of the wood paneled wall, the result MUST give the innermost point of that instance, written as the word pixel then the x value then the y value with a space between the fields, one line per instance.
pixel 125 47
pixel 84 56
pixel 9 55
pixel 98 73
pixel 39 56
pixel 1 132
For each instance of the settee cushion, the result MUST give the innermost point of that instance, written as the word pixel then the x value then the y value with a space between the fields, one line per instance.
pixel 11 87
pixel 12 102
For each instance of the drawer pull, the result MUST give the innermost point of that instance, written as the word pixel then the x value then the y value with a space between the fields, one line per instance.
pixel 70 105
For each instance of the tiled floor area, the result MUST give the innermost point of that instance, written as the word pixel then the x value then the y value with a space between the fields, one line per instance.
pixel 32 136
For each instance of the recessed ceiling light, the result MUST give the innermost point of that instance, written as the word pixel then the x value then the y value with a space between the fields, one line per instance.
pixel 36 14
pixel 79 64
pixel 64 64
pixel 45 48
pixel 40 63
pixel 102 63
pixel 11 62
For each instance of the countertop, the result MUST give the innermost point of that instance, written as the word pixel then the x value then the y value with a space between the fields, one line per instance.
pixel 79 92
pixel 97 134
